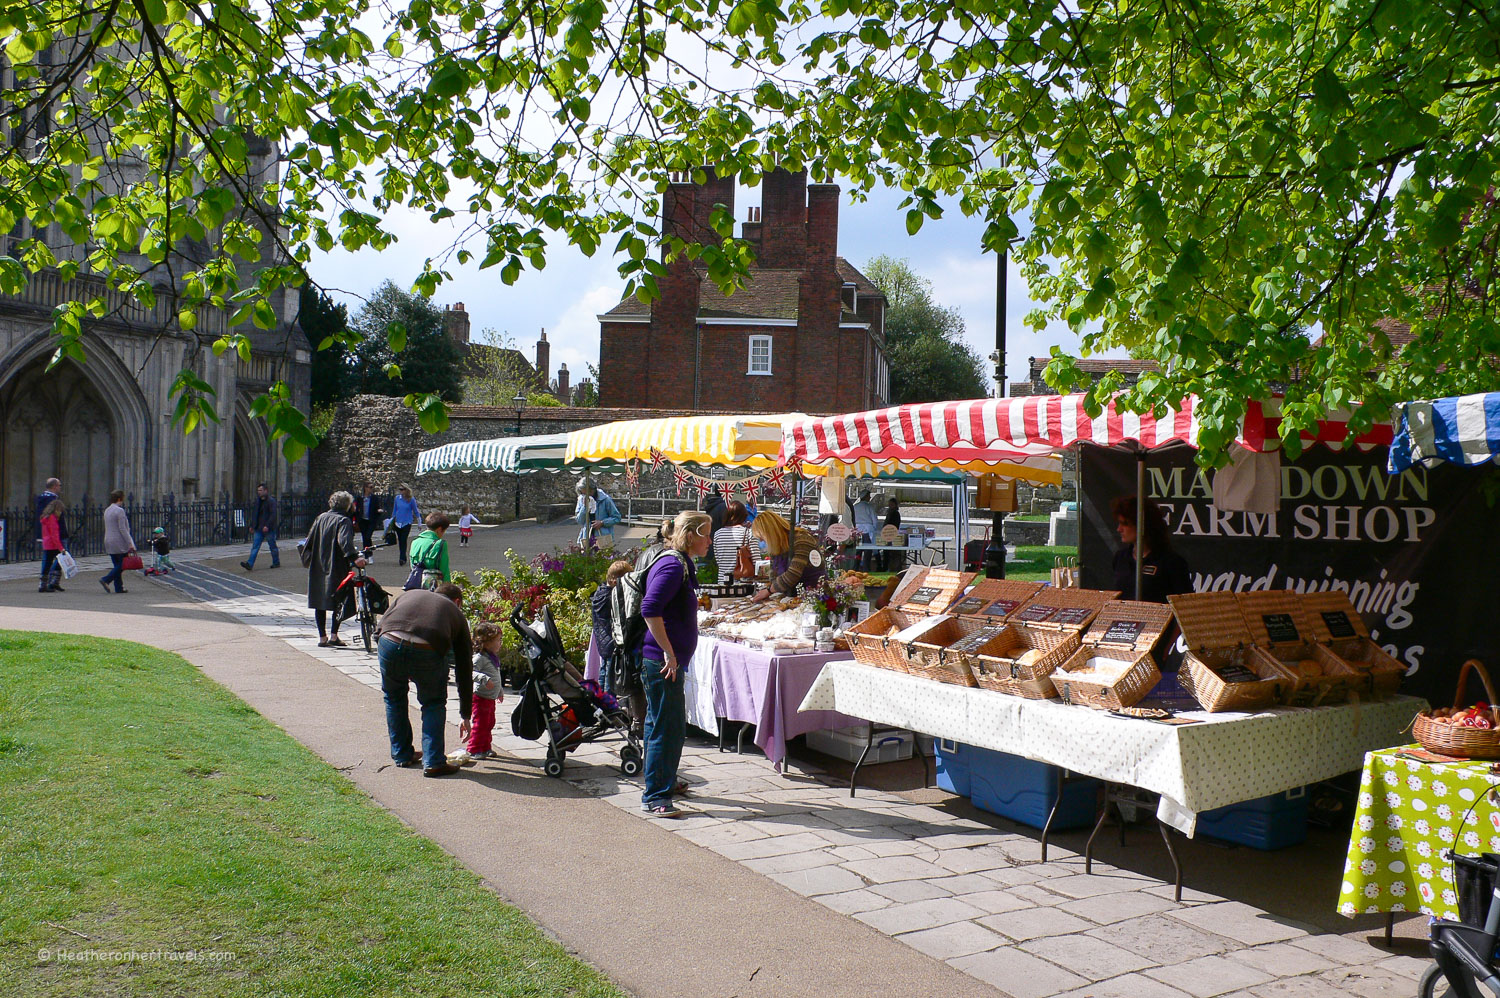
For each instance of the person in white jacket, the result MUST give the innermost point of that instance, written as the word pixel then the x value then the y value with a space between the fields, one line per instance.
pixel 117 541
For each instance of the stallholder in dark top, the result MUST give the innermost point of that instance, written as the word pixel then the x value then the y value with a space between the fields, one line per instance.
pixel 438 621
pixel 1164 572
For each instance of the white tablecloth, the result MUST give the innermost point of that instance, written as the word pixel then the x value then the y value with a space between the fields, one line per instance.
pixel 1194 767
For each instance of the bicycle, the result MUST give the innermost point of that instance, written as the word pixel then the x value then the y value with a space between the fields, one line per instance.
pixel 370 600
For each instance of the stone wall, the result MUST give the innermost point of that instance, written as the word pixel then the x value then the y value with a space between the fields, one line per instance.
pixel 375 438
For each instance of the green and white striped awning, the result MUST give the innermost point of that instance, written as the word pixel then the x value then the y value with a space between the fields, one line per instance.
pixel 543 452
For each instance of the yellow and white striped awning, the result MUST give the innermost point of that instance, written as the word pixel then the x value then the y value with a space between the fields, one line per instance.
pixel 732 441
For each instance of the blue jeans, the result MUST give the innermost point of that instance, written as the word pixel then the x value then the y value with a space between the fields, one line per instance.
pixel 666 730
pixel 268 537
pixel 400 665
pixel 49 559
pixel 115 573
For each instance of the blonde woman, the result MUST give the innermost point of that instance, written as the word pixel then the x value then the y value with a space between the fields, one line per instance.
pixel 795 557
pixel 670 609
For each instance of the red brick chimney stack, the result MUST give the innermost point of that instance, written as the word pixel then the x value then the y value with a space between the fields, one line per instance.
pixel 543 358
pixel 713 192
pixel 783 234
pixel 456 324
pixel 562 385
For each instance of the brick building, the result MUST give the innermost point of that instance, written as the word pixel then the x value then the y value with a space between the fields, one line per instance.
pixel 1094 367
pixel 806 333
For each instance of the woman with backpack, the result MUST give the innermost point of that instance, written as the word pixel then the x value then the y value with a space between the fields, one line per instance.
pixel 669 607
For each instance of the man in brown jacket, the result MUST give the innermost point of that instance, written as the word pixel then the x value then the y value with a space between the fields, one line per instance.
pixel 417 634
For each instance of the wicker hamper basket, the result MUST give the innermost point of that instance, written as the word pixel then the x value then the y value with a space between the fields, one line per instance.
pixel 1283 641
pixel 929 655
pixel 1452 739
pixel 995 665
pixel 935 589
pixel 1218 641
pixel 1063 609
pixel 1123 631
pixel 1337 625
pixel 994 599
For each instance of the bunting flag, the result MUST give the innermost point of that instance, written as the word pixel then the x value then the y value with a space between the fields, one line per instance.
pixel 777 479
pixel 657 459
pixel 632 477
pixel 681 477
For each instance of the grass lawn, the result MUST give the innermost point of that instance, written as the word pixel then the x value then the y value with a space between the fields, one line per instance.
pixel 145 808
pixel 1035 561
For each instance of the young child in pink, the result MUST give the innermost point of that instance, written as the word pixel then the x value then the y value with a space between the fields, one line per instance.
pixel 466 527
pixel 489 689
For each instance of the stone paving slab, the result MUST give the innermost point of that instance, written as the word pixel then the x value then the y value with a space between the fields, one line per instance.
pixel 956 889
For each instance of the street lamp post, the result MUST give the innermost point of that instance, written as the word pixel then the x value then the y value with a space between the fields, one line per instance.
pixel 994 554
pixel 519 401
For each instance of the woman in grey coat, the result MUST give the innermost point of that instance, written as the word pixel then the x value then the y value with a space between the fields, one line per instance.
pixel 329 554
pixel 117 540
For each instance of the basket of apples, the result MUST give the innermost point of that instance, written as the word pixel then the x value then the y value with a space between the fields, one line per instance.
pixel 1469 732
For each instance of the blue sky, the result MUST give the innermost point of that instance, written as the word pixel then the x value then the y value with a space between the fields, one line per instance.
pixel 566 296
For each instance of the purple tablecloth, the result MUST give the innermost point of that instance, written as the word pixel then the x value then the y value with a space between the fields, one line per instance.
pixel 764 690
pixel 752 686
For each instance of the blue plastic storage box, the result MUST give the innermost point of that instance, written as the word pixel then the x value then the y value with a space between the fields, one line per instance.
pixel 1273 822
pixel 952 766
pixel 1024 791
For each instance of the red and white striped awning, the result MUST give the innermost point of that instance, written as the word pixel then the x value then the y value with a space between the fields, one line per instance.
pixel 981 434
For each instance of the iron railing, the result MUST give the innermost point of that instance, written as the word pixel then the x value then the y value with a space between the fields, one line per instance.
pixel 187 523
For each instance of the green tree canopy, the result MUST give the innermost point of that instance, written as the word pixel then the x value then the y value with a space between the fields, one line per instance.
pixel 420 359
pixel 1236 189
pixel 929 359
pixel 325 323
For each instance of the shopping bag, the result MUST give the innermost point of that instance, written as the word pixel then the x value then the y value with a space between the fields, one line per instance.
pixel 528 720
pixel 1065 573
pixel 132 563
pixel 66 565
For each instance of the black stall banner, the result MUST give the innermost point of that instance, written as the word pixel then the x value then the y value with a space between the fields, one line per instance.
pixel 1418 553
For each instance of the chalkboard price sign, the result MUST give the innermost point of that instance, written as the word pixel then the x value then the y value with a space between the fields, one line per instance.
pixel 924 596
pixel 1123 632
pixel 1072 615
pixel 1338 624
pixel 1038 612
pixel 970 604
pixel 1281 628
pixel 1002 608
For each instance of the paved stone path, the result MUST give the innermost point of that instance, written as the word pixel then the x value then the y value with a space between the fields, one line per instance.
pixel 956 889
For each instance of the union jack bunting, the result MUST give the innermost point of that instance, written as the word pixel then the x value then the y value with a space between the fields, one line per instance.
pixel 657 459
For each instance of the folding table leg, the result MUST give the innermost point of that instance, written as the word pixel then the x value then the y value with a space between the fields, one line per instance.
pixel 869 740
pixel 1088 849
pixel 739 745
pixel 1390 927
pixel 1166 836
pixel 926 769
pixel 722 723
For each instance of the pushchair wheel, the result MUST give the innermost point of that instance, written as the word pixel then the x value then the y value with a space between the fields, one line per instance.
pixel 553 766
pixel 1434 984
pixel 630 761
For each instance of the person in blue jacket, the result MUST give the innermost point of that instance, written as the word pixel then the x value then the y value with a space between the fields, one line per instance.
pixel 596 515
pixel 404 513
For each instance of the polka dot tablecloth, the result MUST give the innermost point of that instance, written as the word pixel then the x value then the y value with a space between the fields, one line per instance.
pixel 1410 812
pixel 1224 759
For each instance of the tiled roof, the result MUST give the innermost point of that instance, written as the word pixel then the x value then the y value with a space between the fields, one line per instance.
pixel 769 294
pixel 1101 365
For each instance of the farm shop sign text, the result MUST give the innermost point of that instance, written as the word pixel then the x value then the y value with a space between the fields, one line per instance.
pixel 1384 508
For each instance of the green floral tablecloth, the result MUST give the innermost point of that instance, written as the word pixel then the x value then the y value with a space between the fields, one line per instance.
pixel 1409 814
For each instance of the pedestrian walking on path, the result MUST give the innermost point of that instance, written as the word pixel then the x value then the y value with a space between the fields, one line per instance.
pixel 403 516
pixel 117 540
pixel 429 553
pixel 51 492
pixel 368 514
pixel 52 544
pixel 263 522
pixel 417 634
pixel 669 606
pixel 328 554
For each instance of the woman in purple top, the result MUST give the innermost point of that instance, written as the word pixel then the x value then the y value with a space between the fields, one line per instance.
pixel 670 608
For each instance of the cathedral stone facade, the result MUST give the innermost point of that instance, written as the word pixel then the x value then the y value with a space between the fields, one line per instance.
pixel 106 423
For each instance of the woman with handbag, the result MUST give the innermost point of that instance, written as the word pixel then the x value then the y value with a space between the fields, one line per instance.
pixel 117 541
pixel 732 545
pixel 429 555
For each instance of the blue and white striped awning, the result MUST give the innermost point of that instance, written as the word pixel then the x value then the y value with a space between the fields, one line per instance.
pixel 1463 429
pixel 508 454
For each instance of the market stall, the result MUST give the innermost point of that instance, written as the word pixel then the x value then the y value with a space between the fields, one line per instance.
pixel 511 455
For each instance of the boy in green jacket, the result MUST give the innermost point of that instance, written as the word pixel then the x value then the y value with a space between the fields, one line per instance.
pixel 430 552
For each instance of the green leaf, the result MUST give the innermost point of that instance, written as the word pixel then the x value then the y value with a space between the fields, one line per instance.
pixel 396 335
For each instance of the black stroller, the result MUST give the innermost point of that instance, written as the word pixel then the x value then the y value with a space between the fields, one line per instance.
pixel 556 701
pixel 1464 951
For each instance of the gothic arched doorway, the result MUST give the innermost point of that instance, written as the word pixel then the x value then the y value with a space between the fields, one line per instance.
pixel 252 460
pixel 56 424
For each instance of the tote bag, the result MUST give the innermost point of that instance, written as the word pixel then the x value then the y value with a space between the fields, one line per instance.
pixel 66 565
